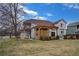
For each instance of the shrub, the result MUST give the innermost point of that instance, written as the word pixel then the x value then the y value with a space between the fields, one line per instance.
pixel 45 38
pixel 57 37
pixel 52 38
pixel 71 36
pixel 49 38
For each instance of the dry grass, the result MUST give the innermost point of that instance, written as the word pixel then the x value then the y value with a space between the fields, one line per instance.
pixel 37 47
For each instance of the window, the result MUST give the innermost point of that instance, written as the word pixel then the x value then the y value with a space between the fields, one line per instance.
pixel 52 33
pixel 37 29
pixel 61 25
pixel 77 26
pixel 62 32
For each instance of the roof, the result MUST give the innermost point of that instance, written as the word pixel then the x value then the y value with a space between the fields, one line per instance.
pixel 74 24
pixel 40 22
pixel 59 21
pixel 46 27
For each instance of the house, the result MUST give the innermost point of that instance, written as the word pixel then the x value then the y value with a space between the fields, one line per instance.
pixel 42 28
pixel 61 24
pixel 73 28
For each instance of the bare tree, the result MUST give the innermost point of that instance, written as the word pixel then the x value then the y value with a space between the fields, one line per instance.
pixel 10 14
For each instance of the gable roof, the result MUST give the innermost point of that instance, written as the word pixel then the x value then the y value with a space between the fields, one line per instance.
pixel 59 21
pixel 39 22
pixel 74 24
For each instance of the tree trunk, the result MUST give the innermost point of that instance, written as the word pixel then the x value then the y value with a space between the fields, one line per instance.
pixel 15 30
pixel 15 24
pixel 10 35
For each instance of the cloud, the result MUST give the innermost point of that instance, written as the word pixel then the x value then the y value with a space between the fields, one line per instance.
pixel 73 5
pixel 33 14
pixel 49 14
pixel 40 17
pixel 28 11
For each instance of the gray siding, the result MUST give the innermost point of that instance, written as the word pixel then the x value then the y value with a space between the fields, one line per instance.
pixel 71 29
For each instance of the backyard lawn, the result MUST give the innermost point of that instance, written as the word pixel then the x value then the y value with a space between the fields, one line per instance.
pixel 39 48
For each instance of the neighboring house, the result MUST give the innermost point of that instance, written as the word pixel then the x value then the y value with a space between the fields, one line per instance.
pixel 41 28
pixel 73 28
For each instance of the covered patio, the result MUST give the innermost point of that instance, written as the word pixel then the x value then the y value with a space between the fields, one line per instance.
pixel 43 31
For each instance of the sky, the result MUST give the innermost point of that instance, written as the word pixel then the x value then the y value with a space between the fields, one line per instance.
pixel 52 11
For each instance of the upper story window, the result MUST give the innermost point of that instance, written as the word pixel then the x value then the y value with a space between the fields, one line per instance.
pixel 77 26
pixel 61 25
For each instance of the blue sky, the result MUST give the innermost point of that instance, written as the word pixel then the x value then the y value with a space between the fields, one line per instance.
pixel 52 11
